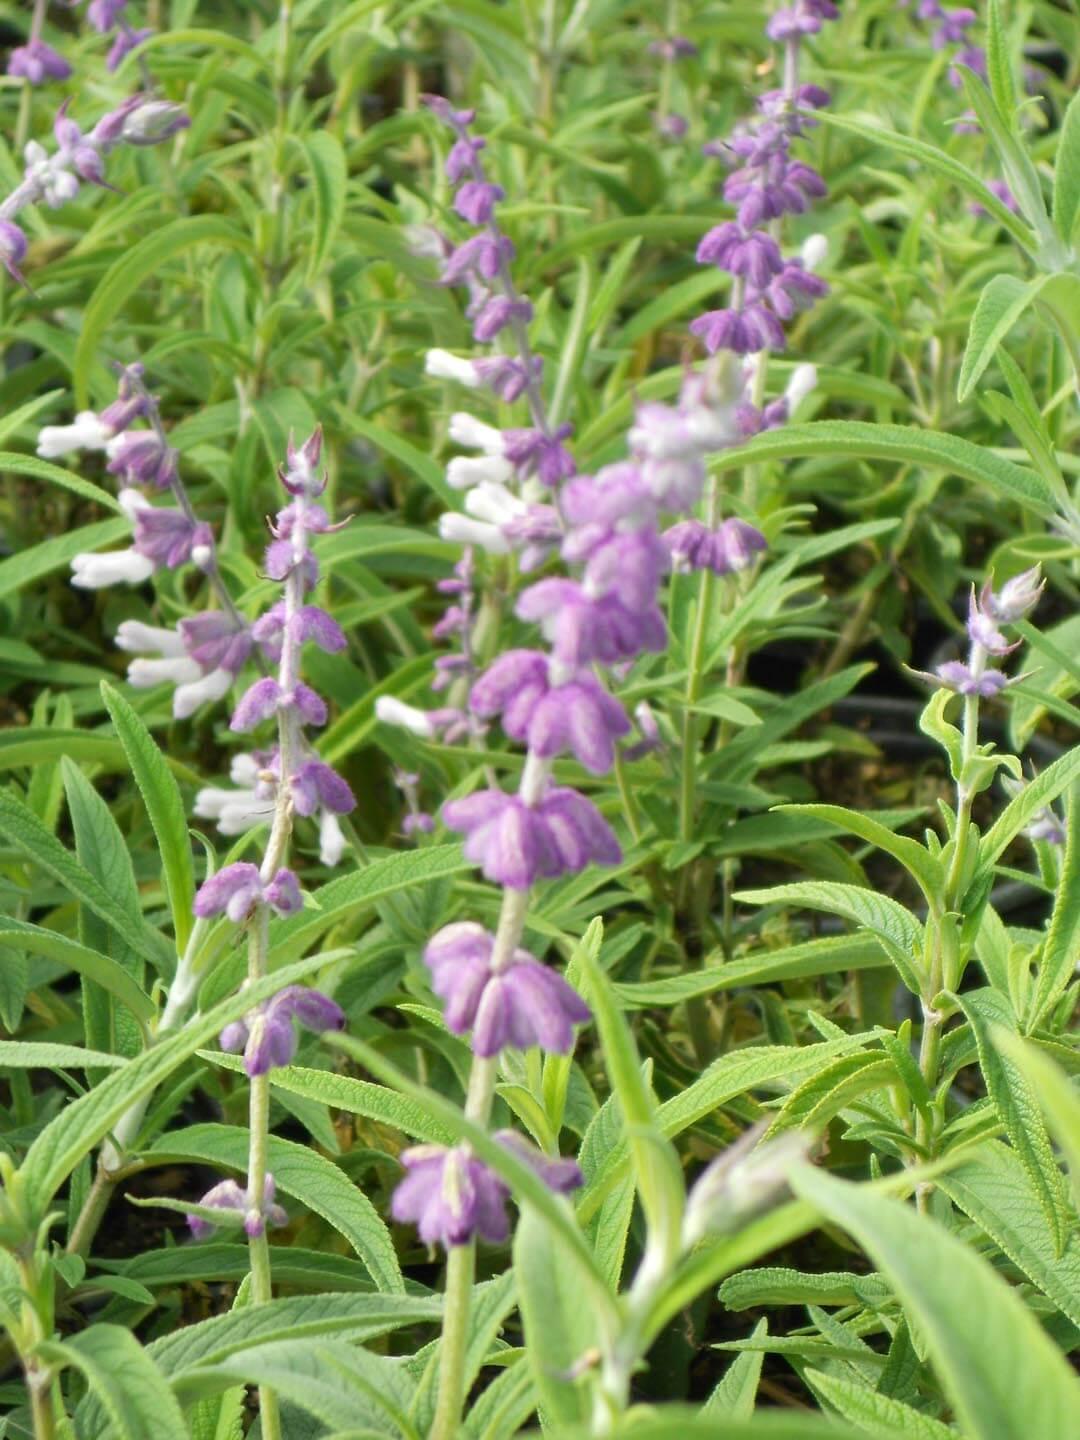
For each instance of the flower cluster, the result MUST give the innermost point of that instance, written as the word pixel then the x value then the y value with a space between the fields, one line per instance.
pixel 987 612
pixel 766 183
pixel 227 1196
pixel 524 497
pixel 80 158
pixel 37 62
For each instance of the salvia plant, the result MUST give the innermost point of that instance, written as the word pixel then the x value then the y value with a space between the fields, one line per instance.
pixel 540 828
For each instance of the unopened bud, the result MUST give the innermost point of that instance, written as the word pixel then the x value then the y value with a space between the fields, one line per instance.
pixel 154 122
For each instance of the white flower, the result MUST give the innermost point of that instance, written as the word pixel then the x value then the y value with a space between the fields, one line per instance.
pixel 165 670
pixel 140 639
pixel 331 838
pixel 196 693
pixel 814 250
pixel 445 366
pixel 244 770
pixel 803 381
pixel 392 711
pixel 467 430
pixel 93 572
pixel 464 472
pixel 132 501
pixel 233 811
pixel 87 433
pixel 495 504
pixel 460 530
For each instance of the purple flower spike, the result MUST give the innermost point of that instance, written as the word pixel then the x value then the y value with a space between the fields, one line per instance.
pixel 451 1197
pixel 317 786
pixel 523 1005
pixel 267 1034
pixel 37 62
pixel 257 704
pixel 237 889
pixel 476 201
pixel 517 844
pixel 753 255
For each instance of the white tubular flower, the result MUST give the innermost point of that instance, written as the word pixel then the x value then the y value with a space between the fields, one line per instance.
pixel 461 530
pixel 87 433
pixel 132 501
pixel 814 250
pixel 94 572
pixel 495 504
pixel 171 669
pixel 803 381
pixel 463 473
pixel 445 366
pixel 473 434
pixel 139 639
pixel 392 711
pixel 191 696
pixel 331 838
pixel 244 770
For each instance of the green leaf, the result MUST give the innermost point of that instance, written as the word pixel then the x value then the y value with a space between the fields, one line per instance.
pixel 329 174
pixel 81 1124
pixel 102 969
pixel 130 271
pixel 312 1179
pixel 38 469
pixel 994 1190
pixel 999 64
pixel 1057 962
pixel 897 930
pixel 1056 1095
pixel 825 956
pixel 418 462
pixel 161 795
pixel 944 165
pixel 559 1328
pixel 1003 1376
pixel 123 1380
pixel 779 1285
pixel 30 565
pixel 877 1414
pixel 21 827
pixel 1000 306
pixel 358 1097
pixel 657 1171
pixel 928 449
pixel 734 1395
pixel 298 1317
pixel 923 867
pixel 1017 1108
pixel 342 1385
pixel 1058 777
pixel 43 1055
pixel 1067 172
pixel 677 1422
pixel 343 897
pixel 814 1103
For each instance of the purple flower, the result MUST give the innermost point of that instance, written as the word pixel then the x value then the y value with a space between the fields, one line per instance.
pixel 464 157
pixel 140 458
pixel 451 1197
pixel 671 127
pixel 545 455
pixel 103 14
pixel 558 1174
pixel 151 122
pixel 955 675
pixel 808 97
pixel 751 254
pixel 37 62
pixel 578 716
pixel 506 377
pixel 793 288
pixel 281 560
pixel 581 629
pixel 168 537
pixel 265 697
pixel 238 889
pixel 1016 598
pixel 516 844
pixel 483 255
pixel 744 332
pixel 475 201
pixel 523 1004
pixel 317 786
pixel 496 313
pixel 673 47
pixel 267 1035
pixel 729 548
pixel 12 249
pixel 126 41
pixel 213 640
pixel 227 1195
